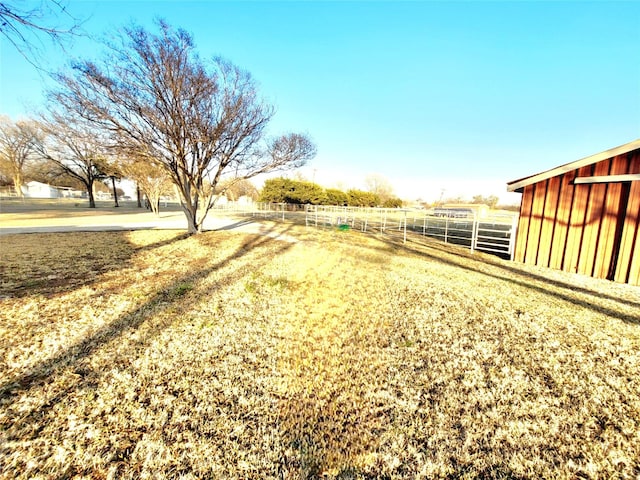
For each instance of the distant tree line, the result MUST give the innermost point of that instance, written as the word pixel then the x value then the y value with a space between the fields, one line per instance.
pixel 285 190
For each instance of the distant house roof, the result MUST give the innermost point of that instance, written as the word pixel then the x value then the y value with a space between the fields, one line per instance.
pixel 518 185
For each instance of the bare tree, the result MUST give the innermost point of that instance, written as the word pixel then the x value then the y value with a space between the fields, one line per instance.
pixel 491 200
pixel 18 144
pixel 73 150
pixel 380 186
pixel 150 178
pixel 153 98
pixel 25 27
pixel 234 188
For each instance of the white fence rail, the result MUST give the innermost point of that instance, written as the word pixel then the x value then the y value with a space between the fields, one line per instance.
pixel 493 233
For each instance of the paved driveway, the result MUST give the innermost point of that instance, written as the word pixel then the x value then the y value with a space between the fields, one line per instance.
pixel 104 223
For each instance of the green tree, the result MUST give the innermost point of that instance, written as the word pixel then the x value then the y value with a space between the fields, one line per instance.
pixel 309 193
pixel 360 198
pixel 285 190
pixel 392 202
pixel 275 190
pixel 336 197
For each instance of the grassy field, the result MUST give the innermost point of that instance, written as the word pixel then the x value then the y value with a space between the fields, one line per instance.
pixel 149 354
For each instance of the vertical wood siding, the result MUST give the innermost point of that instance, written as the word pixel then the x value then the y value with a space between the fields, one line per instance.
pixel 633 274
pixel 612 218
pixel 628 265
pixel 535 222
pixel 559 243
pixel 593 221
pixel 592 229
pixel 548 221
pixel 576 222
pixel 523 223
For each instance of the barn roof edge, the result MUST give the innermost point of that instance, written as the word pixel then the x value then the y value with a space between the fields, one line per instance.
pixel 518 185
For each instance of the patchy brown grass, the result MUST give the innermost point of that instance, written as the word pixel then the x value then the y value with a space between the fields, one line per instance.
pixel 226 355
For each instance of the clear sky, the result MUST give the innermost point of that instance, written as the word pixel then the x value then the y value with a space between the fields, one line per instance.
pixel 454 96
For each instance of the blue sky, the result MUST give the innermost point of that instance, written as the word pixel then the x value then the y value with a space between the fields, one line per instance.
pixel 454 96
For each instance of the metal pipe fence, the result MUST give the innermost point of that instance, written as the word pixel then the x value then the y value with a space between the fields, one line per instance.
pixel 493 233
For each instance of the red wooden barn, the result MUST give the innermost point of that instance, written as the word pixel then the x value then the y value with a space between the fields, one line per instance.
pixel 584 216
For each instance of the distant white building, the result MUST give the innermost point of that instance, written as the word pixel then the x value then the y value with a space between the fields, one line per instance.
pixel 103 196
pixel 69 192
pixel 39 190
pixel 244 200
pixel 220 200
pixel 479 209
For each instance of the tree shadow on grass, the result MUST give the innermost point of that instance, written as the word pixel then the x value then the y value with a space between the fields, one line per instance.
pixel 489 259
pixel 531 281
pixel 238 224
pixel 73 356
pixel 55 275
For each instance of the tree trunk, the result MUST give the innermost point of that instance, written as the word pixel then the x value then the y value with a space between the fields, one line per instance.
pixel 153 202
pixel 92 200
pixel 115 192
pixel 17 185
pixel 138 194
pixel 192 225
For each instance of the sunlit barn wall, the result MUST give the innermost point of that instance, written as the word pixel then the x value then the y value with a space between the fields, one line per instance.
pixel 590 228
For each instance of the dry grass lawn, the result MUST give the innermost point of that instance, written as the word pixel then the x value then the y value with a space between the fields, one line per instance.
pixel 227 355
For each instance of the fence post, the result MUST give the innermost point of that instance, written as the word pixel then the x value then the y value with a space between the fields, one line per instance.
pixel 446 228
pixel 474 233
pixel 405 227
pixel 512 238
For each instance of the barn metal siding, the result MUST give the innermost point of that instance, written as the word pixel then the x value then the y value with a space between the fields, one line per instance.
pixel 589 228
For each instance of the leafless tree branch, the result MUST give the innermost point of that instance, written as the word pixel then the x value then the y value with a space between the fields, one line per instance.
pixel 19 142
pixel 25 28
pixel 152 97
